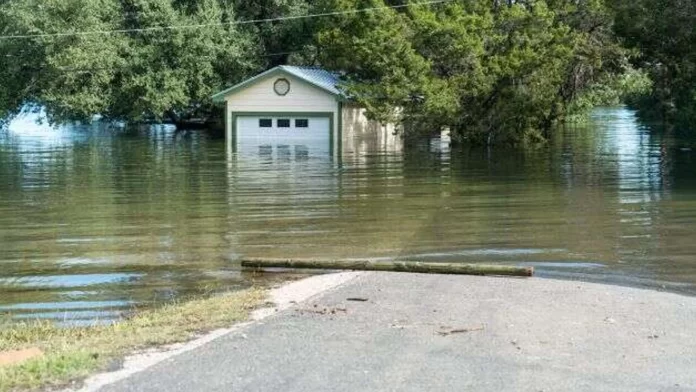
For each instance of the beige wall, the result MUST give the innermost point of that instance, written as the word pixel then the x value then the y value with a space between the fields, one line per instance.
pixel 358 134
pixel 361 134
pixel 260 97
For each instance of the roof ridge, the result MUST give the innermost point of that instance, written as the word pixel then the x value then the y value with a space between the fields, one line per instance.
pixel 317 67
pixel 314 75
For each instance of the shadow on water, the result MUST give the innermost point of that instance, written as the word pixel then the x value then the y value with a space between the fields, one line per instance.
pixel 95 221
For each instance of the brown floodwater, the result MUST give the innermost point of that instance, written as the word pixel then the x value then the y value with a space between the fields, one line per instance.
pixel 96 220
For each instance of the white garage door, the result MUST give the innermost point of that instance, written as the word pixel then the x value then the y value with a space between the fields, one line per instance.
pixel 283 137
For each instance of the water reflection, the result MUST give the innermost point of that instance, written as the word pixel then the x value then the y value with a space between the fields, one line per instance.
pixel 95 221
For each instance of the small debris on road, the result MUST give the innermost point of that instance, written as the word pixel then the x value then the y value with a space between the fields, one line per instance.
pixel 322 311
pixel 357 299
pixel 459 330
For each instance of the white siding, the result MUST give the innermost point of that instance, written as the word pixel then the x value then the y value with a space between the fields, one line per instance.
pixel 302 97
pixel 358 133
pixel 361 134
pixel 260 97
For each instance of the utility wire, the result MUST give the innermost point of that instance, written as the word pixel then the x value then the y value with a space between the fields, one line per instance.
pixel 234 23
pixel 88 70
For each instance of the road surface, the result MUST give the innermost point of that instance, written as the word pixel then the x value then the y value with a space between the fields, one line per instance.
pixel 404 332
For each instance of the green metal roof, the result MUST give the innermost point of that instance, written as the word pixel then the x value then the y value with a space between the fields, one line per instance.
pixel 315 76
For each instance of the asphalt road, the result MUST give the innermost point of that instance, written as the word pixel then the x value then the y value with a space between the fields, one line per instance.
pixel 450 333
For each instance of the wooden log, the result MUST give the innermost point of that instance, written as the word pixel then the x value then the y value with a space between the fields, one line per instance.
pixel 393 266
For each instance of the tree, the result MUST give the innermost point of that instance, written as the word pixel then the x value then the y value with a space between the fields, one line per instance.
pixel 374 53
pixel 663 33
pixel 491 72
pixel 282 42
pixel 149 74
pixel 31 66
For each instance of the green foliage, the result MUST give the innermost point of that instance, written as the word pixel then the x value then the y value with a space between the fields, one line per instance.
pixel 282 42
pixel 74 353
pixel 663 34
pixel 491 73
pixel 145 76
pixel 375 53
pixel 630 87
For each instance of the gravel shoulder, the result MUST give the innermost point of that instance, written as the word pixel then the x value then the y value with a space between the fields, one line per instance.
pixel 409 332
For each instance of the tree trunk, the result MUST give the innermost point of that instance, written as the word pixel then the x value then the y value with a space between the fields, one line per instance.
pixel 172 116
pixel 393 266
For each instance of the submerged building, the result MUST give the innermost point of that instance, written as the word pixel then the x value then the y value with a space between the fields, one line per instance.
pixel 299 111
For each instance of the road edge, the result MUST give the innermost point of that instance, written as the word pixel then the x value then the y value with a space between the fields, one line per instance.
pixel 282 298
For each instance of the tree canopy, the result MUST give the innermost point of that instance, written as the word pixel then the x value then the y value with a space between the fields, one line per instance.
pixel 492 71
pixel 663 33
pixel 139 76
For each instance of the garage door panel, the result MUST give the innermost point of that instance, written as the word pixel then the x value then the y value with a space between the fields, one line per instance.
pixel 310 136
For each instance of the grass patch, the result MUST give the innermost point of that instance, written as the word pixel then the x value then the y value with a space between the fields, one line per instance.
pixel 74 353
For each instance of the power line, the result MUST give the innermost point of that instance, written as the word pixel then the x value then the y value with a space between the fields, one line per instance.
pixel 89 70
pixel 239 22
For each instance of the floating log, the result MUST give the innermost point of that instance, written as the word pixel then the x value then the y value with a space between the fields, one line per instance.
pixel 393 266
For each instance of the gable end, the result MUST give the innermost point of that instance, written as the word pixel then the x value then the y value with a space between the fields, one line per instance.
pixel 273 72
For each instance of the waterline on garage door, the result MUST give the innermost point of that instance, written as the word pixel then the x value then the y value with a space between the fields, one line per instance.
pixel 291 136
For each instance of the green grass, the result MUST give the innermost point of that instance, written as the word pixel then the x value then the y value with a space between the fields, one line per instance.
pixel 74 353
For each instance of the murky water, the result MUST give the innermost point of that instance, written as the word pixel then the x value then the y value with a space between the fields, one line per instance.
pixel 95 221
